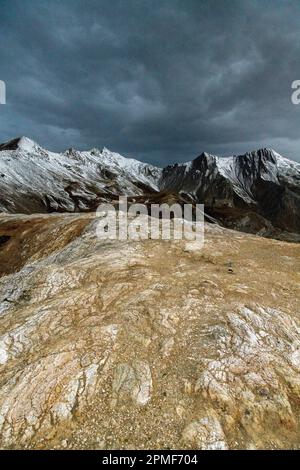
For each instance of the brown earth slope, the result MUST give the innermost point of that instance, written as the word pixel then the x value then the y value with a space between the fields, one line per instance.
pixel 110 344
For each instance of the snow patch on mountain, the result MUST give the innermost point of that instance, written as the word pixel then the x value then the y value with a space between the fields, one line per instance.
pixel 29 172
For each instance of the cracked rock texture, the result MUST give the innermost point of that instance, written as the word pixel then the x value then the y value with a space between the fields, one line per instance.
pixel 146 344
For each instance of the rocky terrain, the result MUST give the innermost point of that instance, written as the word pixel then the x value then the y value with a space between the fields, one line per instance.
pixel 34 180
pixel 146 344
pixel 258 192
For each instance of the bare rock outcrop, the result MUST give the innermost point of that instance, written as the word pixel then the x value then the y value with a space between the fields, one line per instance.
pixel 146 344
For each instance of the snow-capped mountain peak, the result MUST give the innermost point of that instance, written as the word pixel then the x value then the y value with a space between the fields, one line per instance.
pixel 20 143
pixel 261 182
pixel 33 179
pixel 27 145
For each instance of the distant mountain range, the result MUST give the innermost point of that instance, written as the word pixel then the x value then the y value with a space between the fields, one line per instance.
pixel 258 192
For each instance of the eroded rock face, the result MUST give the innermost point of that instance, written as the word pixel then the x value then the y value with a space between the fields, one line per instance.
pixel 120 344
pixel 256 370
pixel 205 433
pixel 133 381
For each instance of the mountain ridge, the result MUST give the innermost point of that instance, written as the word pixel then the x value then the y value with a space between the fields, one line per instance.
pixel 257 192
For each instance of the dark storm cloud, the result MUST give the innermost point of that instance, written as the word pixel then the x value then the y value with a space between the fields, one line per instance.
pixel 161 80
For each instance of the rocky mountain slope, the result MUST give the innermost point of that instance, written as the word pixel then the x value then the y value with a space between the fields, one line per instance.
pixel 255 192
pixel 33 179
pixel 145 344
pixel 258 192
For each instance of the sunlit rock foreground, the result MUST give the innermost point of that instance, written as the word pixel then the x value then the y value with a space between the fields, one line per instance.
pixel 123 344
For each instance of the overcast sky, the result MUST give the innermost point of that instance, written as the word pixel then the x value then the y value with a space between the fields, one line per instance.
pixel 159 80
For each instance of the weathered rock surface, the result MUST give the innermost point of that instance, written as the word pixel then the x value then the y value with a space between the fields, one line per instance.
pixel 122 344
